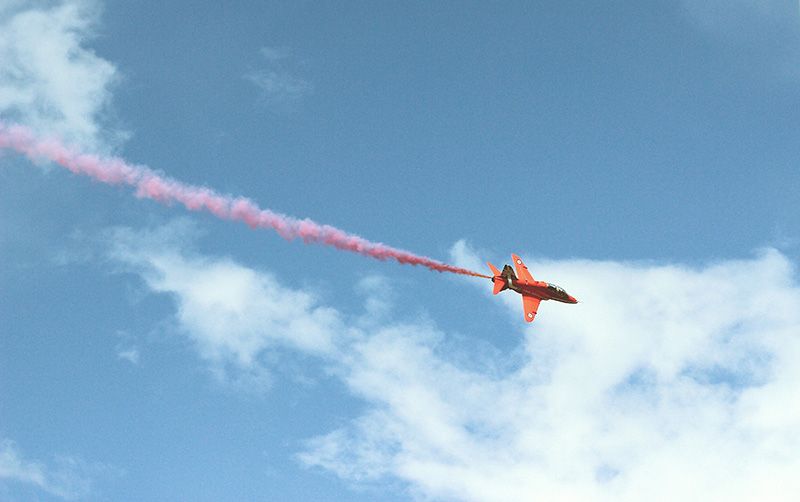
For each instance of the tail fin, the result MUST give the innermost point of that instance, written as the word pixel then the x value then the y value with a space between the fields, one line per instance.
pixel 499 281
pixel 508 272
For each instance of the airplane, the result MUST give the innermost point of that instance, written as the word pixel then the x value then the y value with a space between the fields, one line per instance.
pixel 532 291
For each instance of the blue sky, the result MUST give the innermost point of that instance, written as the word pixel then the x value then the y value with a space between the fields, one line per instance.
pixel 641 154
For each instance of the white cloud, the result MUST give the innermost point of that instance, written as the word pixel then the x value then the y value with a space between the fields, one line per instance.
pixel 49 79
pixel 666 382
pixel 66 478
pixel 233 315
pixel 126 348
pixel 277 79
pixel 13 467
pixel 669 382
pixel 131 355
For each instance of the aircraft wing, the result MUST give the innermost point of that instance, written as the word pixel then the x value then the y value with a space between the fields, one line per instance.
pixel 530 305
pixel 522 270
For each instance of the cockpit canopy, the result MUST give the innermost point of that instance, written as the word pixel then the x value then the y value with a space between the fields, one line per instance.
pixel 558 290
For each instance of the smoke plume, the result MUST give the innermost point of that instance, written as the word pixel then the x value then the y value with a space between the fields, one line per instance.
pixel 149 184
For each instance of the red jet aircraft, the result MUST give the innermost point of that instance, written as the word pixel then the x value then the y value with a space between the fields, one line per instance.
pixel 532 291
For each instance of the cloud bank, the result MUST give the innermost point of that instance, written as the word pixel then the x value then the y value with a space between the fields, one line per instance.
pixel 668 382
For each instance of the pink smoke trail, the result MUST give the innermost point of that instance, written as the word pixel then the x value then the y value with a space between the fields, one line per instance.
pixel 151 185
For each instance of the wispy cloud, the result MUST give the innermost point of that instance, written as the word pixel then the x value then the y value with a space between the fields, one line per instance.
pixel 233 315
pixel 50 79
pixel 131 355
pixel 739 19
pixel 763 35
pixel 66 477
pixel 667 379
pixel 126 348
pixel 13 467
pixel 276 77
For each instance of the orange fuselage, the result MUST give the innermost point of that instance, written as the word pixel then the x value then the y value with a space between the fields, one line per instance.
pixel 539 289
